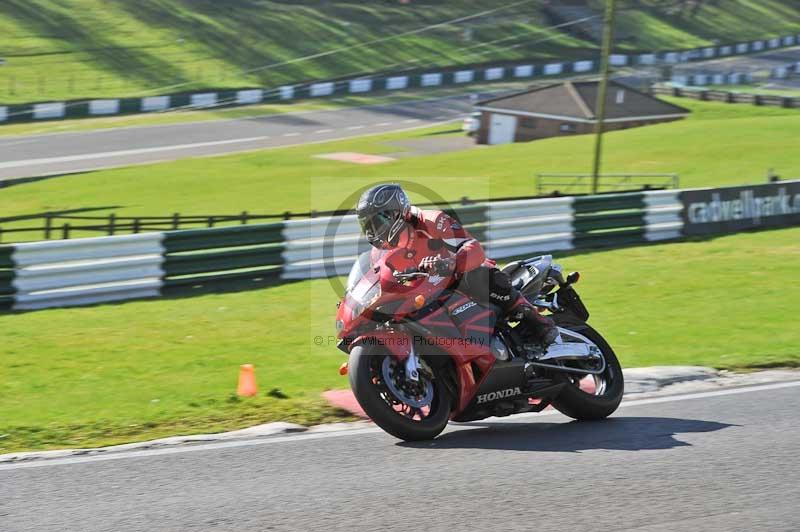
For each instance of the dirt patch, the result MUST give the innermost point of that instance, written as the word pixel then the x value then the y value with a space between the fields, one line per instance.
pixel 354 157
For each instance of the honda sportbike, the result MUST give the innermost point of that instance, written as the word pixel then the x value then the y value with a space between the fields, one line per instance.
pixel 422 353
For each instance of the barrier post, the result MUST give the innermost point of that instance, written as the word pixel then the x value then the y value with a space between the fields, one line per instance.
pixel 48 225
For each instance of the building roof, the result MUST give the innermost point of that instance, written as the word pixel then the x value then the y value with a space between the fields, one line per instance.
pixel 576 100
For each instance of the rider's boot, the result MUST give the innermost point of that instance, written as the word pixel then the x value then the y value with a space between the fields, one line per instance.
pixel 543 328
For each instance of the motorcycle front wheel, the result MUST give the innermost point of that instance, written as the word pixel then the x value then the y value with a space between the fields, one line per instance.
pixel 408 410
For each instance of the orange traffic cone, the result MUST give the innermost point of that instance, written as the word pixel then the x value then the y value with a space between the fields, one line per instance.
pixel 247 381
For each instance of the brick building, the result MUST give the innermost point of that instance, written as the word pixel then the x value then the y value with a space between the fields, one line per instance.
pixel 567 109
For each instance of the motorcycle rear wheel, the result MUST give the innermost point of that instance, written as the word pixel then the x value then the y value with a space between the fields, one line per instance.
pixel 389 411
pixel 579 404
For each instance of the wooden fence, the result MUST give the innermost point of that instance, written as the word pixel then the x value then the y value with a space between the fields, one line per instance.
pixel 729 96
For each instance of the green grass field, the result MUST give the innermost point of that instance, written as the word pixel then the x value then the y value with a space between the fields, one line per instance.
pixel 106 48
pixel 154 368
pixel 126 372
pixel 720 144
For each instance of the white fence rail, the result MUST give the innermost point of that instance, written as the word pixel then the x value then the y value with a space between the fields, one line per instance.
pixel 87 270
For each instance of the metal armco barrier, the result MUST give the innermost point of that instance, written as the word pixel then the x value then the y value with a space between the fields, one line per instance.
pixel 609 220
pixel 94 270
pixel 326 247
pixel 208 257
pixel 441 76
pixel 6 277
pixel 517 227
pixel 662 215
pixel 86 271
pixel 729 96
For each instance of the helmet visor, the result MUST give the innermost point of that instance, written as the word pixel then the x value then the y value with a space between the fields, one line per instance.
pixel 376 226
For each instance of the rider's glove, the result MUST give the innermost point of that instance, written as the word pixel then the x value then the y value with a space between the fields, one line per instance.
pixel 443 267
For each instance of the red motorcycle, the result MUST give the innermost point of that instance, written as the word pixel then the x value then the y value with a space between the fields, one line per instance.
pixel 423 353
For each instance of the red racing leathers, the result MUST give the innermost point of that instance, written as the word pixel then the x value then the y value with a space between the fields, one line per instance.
pixel 436 234
pixel 433 236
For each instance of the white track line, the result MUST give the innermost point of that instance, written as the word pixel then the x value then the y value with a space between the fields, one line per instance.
pixel 244 150
pixel 291 134
pixel 118 153
pixel 6 139
pixel 321 131
pixel 354 127
pixel 345 433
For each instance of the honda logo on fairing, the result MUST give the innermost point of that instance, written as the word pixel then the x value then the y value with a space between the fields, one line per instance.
pixel 493 396
pixel 464 307
pixel 435 279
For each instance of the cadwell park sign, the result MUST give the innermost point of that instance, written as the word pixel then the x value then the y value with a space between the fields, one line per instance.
pixel 733 209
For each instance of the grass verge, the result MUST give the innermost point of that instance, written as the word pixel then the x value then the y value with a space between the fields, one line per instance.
pixel 719 144
pixel 110 48
pixel 127 372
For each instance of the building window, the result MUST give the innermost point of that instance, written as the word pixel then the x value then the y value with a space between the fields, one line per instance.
pixel 567 128
pixel 528 123
pixel 620 96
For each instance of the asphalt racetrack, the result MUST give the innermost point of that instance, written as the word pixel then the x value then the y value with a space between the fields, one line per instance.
pixel 69 152
pixel 722 460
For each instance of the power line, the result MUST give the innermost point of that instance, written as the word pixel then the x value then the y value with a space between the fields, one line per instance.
pixel 348 48
pixel 535 30
pixel 366 43
pixel 269 92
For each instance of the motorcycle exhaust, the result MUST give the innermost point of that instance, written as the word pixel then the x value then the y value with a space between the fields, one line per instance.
pixel 567 369
pixel 571 351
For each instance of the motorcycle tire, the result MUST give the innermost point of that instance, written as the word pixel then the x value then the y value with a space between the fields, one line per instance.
pixel 362 364
pixel 583 406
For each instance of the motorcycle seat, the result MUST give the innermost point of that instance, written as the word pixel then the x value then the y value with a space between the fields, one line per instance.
pixel 520 276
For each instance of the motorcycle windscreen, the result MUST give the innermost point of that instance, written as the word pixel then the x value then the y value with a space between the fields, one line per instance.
pixel 475 322
pixel 361 267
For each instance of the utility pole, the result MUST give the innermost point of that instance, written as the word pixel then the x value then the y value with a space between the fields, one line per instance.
pixel 608 39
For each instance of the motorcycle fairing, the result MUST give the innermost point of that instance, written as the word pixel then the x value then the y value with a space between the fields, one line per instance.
pixel 463 328
pixel 398 343
pixel 475 321
pixel 501 378
pixel 459 325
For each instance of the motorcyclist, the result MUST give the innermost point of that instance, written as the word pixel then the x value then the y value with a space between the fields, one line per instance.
pixel 435 242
